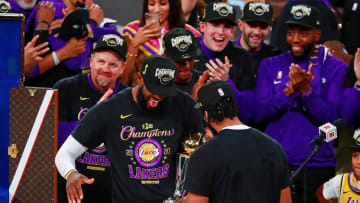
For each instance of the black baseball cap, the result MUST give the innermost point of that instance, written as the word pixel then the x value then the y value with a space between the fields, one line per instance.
pixel 257 12
pixel 74 25
pixel 356 140
pixel 158 73
pixel 4 6
pixel 180 45
pixel 211 93
pixel 112 42
pixel 219 11
pixel 304 15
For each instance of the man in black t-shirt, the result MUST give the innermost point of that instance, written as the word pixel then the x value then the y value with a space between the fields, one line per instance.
pixel 77 94
pixel 142 128
pixel 240 164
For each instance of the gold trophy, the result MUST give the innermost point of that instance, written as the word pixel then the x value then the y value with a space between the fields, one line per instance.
pixel 189 145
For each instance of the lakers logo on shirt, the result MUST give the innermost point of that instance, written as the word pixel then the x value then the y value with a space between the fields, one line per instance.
pixel 148 152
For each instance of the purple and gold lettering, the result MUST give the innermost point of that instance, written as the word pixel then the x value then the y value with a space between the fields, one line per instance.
pixel 100 160
pixel 86 158
pixel 145 174
pixel 138 173
pixel 125 133
pixel 128 132
pixel 149 173
pixel 159 173
pixel 130 171
pixel 166 170
pixel 106 161
pixel 93 159
pixel 153 173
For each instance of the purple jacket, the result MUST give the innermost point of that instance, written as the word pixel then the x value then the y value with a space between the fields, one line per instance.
pixel 75 63
pixel 350 106
pixel 293 121
pixel 245 101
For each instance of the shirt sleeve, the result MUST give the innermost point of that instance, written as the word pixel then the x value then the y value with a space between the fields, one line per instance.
pixel 325 107
pixel 245 101
pixel 199 174
pixel 269 103
pixel 331 188
pixel 99 31
pixel 92 127
pixel 350 107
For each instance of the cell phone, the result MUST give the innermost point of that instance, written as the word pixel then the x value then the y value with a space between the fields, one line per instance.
pixel 150 17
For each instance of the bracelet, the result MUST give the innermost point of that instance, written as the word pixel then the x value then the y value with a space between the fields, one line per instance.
pixel 42 30
pixel 44 21
pixel 69 173
pixel 56 58
pixel 128 54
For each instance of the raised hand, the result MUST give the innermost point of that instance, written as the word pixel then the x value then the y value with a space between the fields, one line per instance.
pixel 201 81
pixel 74 47
pixel 32 54
pixel 219 69
pixel 106 95
pixel 300 79
pixel 45 13
pixel 146 33
pixel 96 13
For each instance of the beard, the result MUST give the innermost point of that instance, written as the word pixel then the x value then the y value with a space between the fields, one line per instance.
pixel 104 83
pixel 252 47
pixel 26 6
pixel 142 101
pixel 307 51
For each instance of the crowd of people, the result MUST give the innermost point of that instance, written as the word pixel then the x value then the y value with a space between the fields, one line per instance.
pixel 129 98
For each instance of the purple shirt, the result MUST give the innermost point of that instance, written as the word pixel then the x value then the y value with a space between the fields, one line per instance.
pixel 293 121
pixel 15 6
pixel 210 54
pixel 245 101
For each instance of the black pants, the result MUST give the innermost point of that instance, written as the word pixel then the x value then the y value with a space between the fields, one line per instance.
pixel 305 193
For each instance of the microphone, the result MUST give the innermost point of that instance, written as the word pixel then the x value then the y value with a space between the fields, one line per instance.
pixel 328 132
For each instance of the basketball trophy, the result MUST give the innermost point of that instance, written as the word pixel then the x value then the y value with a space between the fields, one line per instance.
pixel 189 145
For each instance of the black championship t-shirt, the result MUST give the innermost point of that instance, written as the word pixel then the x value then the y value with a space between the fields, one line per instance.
pixel 77 95
pixel 242 165
pixel 142 145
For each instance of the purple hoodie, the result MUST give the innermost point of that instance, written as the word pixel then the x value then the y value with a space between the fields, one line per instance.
pixel 293 121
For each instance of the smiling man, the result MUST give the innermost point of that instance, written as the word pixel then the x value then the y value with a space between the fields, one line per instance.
pixel 295 93
pixel 77 95
pixel 217 29
pixel 142 128
pixel 255 24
